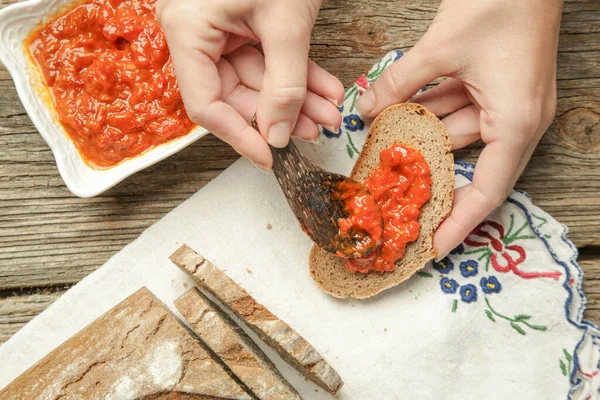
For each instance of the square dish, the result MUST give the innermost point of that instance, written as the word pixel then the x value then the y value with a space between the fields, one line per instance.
pixel 17 21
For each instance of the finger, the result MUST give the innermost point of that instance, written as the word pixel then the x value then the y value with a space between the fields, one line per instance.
pixel 234 42
pixel 445 98
pixel 244 101
pixel 322 112
pixel 325 84
pixel 248 64
pixel 493 179
pixel 201 90
pixel 285 82
pixel 398 83
pixel 306 129
pixel 463 126
pixel 321 82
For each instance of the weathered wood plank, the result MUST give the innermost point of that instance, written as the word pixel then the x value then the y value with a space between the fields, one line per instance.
pixel 17 310
pixel 49 237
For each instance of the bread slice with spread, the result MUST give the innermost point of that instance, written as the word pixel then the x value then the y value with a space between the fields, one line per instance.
pixel 413 125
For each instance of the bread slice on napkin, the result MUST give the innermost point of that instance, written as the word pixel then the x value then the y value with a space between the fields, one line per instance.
pixel 231 344
pixel 136 350
pixel 292 347
pixel 411 124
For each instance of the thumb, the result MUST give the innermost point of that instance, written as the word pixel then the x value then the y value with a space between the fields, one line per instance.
pixel 399 82
pixel 284 86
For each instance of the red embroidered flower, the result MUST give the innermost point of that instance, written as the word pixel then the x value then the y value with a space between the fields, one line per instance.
pixel 362 82
pixel 504 256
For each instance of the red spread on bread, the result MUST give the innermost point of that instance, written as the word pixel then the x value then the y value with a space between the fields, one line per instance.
pixel 108 68
pixel 401 185
pixel 363 224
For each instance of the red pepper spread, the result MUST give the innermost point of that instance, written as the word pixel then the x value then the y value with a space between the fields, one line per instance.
pixel 109 71
pixel 401 185
pixel 363 225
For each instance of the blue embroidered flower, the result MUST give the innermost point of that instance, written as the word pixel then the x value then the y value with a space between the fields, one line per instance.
pixel 330 134
pixel 398 54
pixel 458 249
pixel 448 285
pixel 469 268
pixel 468 293
pixel 490 285
pixel 353 123
pixel 444 266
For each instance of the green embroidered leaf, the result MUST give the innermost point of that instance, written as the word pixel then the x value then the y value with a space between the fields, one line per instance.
pixel 567 355
pixel 454 305
pixel 350 152
pixel 517 328
pixel 563 367
pixel 424 274
pixel 490 315
pixel 538 327
pixel 522 317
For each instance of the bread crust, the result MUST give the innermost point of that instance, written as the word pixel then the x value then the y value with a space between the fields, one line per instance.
pixel 290 345
pixel 406 123
pixel 231 344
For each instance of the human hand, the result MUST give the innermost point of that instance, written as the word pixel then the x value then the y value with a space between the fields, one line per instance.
pixel 500 57
pixel 223 81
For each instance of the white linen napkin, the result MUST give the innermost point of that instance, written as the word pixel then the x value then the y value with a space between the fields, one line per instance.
pixel 500 318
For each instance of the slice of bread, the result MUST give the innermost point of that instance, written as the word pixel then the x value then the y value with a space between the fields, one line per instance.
pixel 136 350
pixel 290 345
pixel 411 124
pixel 231 344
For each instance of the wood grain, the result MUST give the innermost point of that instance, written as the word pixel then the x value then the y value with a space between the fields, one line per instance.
pixel 49 238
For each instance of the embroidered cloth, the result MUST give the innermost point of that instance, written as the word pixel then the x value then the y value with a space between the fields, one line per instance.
pixel 500 318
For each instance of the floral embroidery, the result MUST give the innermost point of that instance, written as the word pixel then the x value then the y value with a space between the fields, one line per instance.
pixel 444 266
pixel 496 247
pixel 353 123
pixel 517 322
pixel 490 245
pixel 490 285
pixel 448 285
pixel 458 250
pixel 468 293
pixel 563 366
pixel 469 268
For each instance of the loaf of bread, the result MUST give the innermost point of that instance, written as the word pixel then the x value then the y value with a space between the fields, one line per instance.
pixel 411 124
pixel 231 344
pixel 136 350
pixel 276 333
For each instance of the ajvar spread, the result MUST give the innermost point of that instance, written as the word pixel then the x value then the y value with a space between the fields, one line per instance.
pixel 361 231
pixel 401 185
pixel 109 71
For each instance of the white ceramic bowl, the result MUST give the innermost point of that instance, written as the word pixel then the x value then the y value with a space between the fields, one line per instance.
pixel 16 23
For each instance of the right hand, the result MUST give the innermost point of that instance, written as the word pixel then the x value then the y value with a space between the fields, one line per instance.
pixel 223 81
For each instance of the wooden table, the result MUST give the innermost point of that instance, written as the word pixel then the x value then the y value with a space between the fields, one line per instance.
pixel 49 239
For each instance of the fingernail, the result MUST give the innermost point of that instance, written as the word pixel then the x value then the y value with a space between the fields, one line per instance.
pixel 261 167
pixel 334 101
pixel 279 134
pixel 366 103
pixel 312 141
pixel 438 258
pixel 331 128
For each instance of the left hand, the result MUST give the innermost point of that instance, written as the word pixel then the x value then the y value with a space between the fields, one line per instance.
pixel 501 59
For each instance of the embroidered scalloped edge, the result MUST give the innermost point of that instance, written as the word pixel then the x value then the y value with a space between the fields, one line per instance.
pixel 574 315
pixel 576 301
